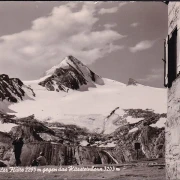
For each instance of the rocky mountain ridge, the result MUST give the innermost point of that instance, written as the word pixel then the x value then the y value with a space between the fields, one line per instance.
pixel 70 74
pixel 12 89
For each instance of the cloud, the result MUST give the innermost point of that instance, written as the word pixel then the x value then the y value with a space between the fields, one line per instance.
pixel 156 74
pixel 134 24
pixel 29 53
pixel 108 11
pixel 122 4
pixel 109 26
pixel 143 45
pixel 112 10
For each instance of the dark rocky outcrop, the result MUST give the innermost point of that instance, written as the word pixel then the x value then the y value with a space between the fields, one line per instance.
pixel 5 148
pixel 132 82
pixel 152 143
pixel 12 89
pixel 2 164
pixel 152 139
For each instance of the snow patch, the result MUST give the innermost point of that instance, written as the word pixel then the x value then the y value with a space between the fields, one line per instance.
pixel 6 127
pixel 132 120
pixel 160 123
pixel 84 143
pixel 110 144
pixel 57 128
pixel 133 130
pixel 4 106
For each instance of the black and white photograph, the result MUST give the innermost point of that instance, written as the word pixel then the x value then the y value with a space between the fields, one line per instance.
pixel 89 90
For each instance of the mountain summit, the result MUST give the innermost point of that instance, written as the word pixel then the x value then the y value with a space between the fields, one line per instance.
pixel 132 82
pixel 70 74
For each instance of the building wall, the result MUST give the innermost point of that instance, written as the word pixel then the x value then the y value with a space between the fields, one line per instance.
pixel 173 109
pixel 173 21
pixel 173 132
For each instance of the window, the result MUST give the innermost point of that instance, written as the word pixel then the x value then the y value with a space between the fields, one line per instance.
pixel 165 63
pixel 172 57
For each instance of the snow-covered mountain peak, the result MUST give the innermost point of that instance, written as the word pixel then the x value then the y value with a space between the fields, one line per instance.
pixel 70 74
pixel 65 64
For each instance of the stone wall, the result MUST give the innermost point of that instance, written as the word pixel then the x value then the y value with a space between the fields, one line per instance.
pixel 173 21
pixel 172 132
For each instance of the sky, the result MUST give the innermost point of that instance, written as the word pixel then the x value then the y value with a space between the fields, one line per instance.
pixel 117 40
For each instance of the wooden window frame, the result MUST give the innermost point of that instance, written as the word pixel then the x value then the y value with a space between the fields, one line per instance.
pixel 171 65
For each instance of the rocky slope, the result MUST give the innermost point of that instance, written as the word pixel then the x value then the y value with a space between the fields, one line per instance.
pixel 67 142
pixel 58 145
pixel 146 131
pixel 12 89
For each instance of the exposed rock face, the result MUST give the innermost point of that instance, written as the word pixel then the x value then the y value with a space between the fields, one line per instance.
pixel 159 148
pixel 5 148
pixel 38 137
pixel 172 131
pixel 152 139
pixel 58 140
pixel 152 145
pixel 59 154
pixel 70 74
pixel 132 82
pixel 12 89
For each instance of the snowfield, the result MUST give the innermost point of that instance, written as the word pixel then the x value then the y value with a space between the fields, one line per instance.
pixel 89 108
pixel 6 127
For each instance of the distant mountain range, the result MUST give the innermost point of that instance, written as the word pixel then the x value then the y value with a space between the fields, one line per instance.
pixel 71 96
